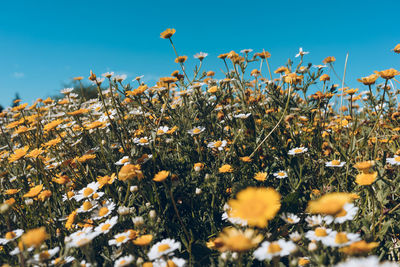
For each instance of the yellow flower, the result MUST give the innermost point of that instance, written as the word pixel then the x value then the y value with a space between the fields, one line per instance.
pixel 180 59
pixel 198 166
pixel 11 191
pixel 388 74
pixel 246 159
pixel 143 240
pixel 365 178
pixel 45 194
pixel 303 261
pixel 331 203
pixel 369 80
pixel 212 89
pixel 364 166
pixel 18 153
pixel 34 191
pixel 256 206
pixel 324 78
pixel 35 153
pixel 51 125
pixel 359 247
pixel 78 112
pixel 329 60
pixel 167 33
pixel 239 241
pixel 397 49
pixel 161 176
pixel 34 237
pixel 85 158
pixel 260 176
pixel 225 168
pixel 130 171
pixel 70 220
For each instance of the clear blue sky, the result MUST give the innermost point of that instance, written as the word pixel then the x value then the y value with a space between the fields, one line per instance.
pixel 43 44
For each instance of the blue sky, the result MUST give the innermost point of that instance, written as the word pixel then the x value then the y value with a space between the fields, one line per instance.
pixel 43 44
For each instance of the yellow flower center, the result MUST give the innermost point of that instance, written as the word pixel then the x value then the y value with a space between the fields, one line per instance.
pixel 218 144
pixel 341 238
pixel 397 159
pixel 298 150
pixel 125 160
pixel 335 162
pixel 95 195
pixel 320 232
pixel 196 130
pixel 143 140
pixel 120 239
pixel 103 211
pixel 122 262
pixel 87 191
pixel 10 235
pixel 290 220
pixel 105 227
pixel 274 248
pixel 163 247
pixel 281 174
pixel 87 205
pixel 44 255
pixel 341 213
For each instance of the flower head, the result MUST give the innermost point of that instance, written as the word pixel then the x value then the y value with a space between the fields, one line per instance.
pixel 256 206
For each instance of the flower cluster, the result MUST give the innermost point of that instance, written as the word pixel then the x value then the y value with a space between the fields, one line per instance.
pixel 255 167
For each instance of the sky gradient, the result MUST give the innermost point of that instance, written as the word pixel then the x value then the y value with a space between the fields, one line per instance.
pixel 44 44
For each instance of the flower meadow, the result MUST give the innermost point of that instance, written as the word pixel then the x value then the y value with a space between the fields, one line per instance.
pixel 266 166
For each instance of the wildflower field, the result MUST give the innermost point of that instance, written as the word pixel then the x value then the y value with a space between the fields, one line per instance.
pixel 267 166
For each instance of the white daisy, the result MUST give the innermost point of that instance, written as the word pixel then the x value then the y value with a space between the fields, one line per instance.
pixel 315 220
pixel 340 239
pixel 280 174
pixel 162 130
pixel 82 239
pixel 394 161
pixel 87 192
pixel 124 261
pixel 347 214
pixel 123 161
pixel 10 236
pixel 104 210
pixel 242 115
pixel 66 91
pixel 119 239
pixel 87 206
pixel 196 130
pixel 290 218
pixel 108 74
pixel 46 254
pixel 268 250
pixel 200 55
pixel 164 247
pixel 335 163
pixel 297 150
pixel 106 226
pixel 217 144
pixel 144 141
pixel 246 51
pixel 318 234
pixel 295 236
pixel 60 261
pixel 301 52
